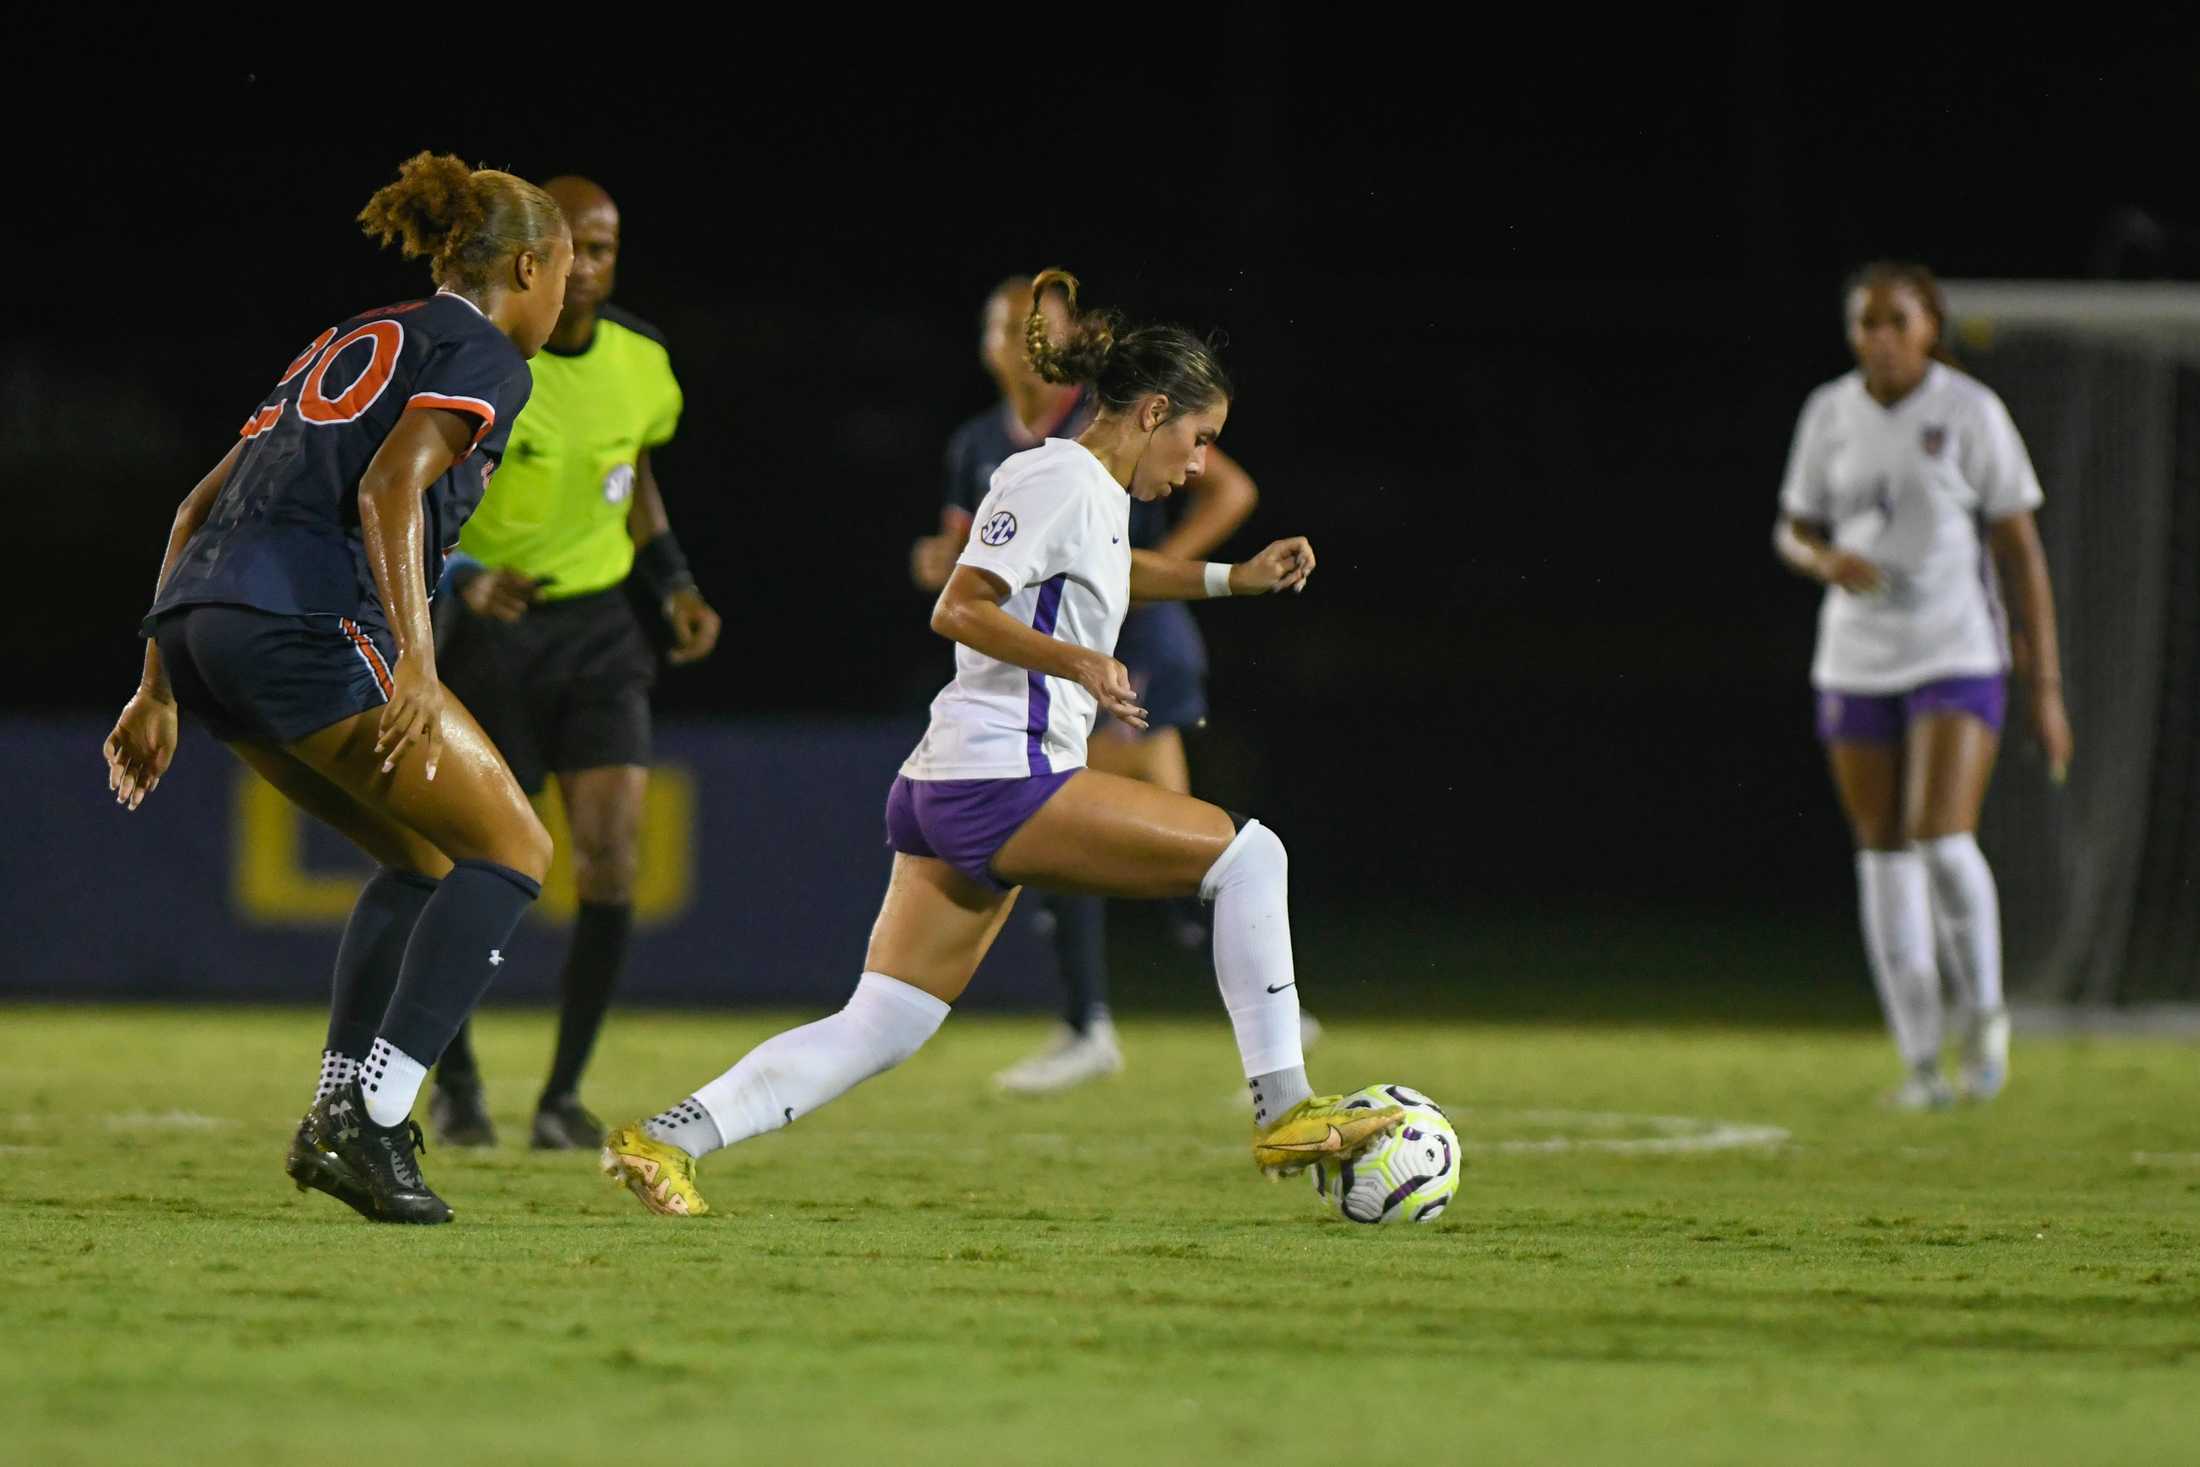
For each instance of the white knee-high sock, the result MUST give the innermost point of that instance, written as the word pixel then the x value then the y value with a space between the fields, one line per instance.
pixel 792 1074
pixel 1898 938
pixel 1249 885
pixel 1969 910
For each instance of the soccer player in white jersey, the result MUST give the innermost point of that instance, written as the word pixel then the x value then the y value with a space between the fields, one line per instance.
pixel 997 794
pixel 1906 488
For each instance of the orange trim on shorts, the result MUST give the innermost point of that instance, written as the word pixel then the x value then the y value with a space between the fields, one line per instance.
pixel 364 646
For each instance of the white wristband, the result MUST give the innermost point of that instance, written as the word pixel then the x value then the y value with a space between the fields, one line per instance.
pixel 1218 578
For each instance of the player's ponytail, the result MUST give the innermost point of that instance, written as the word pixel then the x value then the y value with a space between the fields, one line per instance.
pixel 1123 367
pixel 1916 279
pixel 466 222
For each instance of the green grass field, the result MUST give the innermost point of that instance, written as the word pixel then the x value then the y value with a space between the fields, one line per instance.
pixel 1638 1269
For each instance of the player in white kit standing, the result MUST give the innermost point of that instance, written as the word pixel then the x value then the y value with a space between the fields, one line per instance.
pixel 997 794
pixel 1904 475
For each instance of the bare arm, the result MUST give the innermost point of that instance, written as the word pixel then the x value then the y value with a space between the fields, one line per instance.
pixel 1805 548
pixel 143 742
pixel 190 515
pixel 969 611
pixel 1283 566
pixel 695 625
pixel 2015 542
pixel 1221 499
pixel 646 518
pixel 419 451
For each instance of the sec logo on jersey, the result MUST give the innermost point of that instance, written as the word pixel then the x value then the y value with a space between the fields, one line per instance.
pixel 998 530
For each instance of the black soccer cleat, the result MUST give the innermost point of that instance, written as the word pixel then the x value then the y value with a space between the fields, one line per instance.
pixel 459 1112
pixel 309 1166
pixel 562 1123
pixel 381 1157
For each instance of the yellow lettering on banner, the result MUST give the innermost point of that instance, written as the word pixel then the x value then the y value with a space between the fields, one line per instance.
pixel 666 882
pixel 268 873
pixel 272 885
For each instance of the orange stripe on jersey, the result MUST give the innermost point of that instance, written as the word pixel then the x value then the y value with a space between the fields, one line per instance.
pixel 474 405
pixel 315 406
pixel 368 653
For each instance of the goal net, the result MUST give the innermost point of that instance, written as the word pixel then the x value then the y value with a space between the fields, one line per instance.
pixel 2100 879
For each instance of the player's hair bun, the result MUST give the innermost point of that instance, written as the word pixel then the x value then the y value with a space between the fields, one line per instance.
pixel 1091 334
pixel 1123 366
pixel 463 221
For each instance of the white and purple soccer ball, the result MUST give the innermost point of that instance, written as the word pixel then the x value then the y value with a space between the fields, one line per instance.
pixel 1408 1176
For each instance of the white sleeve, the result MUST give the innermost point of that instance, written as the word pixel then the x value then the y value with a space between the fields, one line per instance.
pixel 1803 493
pixel 1996 464
pixel 1026 529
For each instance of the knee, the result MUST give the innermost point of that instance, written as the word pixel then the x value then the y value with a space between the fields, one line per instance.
pixel 527 849
pixel 1257 854
pixel 1950 859
pixel 605 870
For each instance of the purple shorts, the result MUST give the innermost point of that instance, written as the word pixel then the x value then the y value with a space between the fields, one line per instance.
pixel 964 821
pixel 1882 718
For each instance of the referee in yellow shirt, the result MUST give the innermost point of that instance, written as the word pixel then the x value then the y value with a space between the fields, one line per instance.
pixel 545 639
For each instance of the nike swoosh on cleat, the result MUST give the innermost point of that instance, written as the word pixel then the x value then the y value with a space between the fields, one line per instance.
pixel 1334 1141
pixel 1280 987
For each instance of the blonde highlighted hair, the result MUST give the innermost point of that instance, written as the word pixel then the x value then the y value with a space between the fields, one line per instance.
pixel 466 222
pixel 1122 364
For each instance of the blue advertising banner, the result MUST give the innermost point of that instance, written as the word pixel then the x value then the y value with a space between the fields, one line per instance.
pixel 763 860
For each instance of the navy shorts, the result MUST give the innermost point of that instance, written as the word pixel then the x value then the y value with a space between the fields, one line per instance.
pixel 965 821
pixel 1167 659
pixel 1883 718
pixel 270 678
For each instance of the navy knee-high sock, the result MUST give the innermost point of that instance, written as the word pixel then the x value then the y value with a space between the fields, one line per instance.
pixel 371 955
pixel 456 948
pixel 1081 946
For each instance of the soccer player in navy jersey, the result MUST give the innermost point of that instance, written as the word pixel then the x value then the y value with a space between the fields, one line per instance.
pixel 1160 643
pixel 291 619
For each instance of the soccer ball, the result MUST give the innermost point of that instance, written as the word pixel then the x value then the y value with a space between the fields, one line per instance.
pixel 1408 1176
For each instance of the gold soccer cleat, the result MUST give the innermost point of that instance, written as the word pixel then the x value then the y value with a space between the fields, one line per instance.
pixel 662 1175
pixel 1321 1128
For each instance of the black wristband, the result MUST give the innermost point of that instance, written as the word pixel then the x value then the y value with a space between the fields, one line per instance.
pixel 661 567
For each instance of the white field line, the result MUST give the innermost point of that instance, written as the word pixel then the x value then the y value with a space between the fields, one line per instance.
pixel 1597 1130
pixel 136 1120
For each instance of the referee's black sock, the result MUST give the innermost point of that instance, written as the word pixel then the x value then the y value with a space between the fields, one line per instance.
pixel 592 967
pixel 370 956
pixel 456 948
pixel 458 1066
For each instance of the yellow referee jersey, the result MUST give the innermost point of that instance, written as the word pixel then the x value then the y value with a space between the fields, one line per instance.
pixel 557 505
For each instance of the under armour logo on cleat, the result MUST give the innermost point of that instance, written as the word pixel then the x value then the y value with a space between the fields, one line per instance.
pixel 496 957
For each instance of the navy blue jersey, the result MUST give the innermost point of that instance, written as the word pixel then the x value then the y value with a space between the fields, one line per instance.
pixel 283 535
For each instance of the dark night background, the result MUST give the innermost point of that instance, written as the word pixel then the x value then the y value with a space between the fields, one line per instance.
pixel 1521 322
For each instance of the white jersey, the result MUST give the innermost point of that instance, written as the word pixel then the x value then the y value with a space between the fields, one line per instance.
pixel 1910 488
pixel 1055 529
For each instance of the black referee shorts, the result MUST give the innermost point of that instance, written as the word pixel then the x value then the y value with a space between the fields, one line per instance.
pixel 565 688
